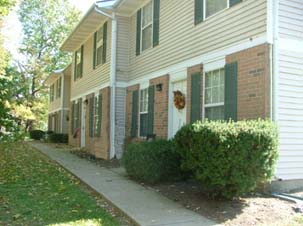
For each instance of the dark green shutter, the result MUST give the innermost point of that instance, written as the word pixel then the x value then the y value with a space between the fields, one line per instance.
pixel 135 105
pixel 195 98
pixel 156 25
pixel 91 117
pixel 75 67
pixel 82 57
pixel 95 51
pixel 151 106
pixel 72 120
pixel 138 36
pixel 231 91
pixel 234 2
pixel 99 126
pixel 104 43
pixel 199 11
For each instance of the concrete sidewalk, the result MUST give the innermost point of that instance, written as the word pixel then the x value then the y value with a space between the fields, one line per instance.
pixel 144 206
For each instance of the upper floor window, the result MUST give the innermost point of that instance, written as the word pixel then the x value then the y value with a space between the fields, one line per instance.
pixel 78 71
pixel 207 8
pixel 214 94
pixel 100 40
pixel 148 26
pixel 58 87
pixel 52 92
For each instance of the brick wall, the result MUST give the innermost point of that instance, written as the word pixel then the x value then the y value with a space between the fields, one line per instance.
pixel 190 71
pixel 161 106
pixel 253 82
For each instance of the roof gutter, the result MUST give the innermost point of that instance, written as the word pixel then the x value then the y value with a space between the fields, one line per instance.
pixel 112 78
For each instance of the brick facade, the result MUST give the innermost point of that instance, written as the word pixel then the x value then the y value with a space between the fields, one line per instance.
pixel 190 71
pixel 253 82
pixel 161 106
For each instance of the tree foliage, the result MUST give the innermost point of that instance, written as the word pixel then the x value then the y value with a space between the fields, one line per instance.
pixel 45 26
pixel 5 6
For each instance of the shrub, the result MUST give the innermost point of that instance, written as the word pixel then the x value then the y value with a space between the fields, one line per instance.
pixel 152 162
pixel 229 158
pixel 36 134
pixel 58 138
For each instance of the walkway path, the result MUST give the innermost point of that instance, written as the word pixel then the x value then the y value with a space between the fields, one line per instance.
pixel 144 206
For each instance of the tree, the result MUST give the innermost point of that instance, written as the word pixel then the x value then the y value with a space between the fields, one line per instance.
pixel 5 6
pixel 46 23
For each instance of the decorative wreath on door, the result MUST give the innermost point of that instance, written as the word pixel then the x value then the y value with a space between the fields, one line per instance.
pixel 179 100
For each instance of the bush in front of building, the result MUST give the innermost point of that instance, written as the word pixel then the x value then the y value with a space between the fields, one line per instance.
pixel 36 134
pixel 152 161
pixel 58 138
pixel 229 159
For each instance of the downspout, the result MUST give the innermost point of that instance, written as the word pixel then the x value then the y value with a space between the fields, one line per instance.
pixel 275 54
pixel 62 101
pixel 112 78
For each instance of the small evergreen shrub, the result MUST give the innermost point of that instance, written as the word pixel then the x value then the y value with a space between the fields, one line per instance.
pixel 58 138
pixel 229 159
pixel 152 161
pixel 36 134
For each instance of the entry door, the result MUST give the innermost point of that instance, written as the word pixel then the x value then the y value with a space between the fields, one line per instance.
pixel 83 113
pixel 179 116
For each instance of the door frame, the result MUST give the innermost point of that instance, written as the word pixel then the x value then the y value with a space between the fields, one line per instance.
pixel 176 76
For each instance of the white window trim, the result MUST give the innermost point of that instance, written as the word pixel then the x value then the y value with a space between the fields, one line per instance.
pixel 150 24
pixel 96 114
pixel 219 104
pixel 220 11
pixel 99 44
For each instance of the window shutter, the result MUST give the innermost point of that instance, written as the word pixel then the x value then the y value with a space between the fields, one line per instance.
pixel 82 56
pixel 75 67
pixel 156 25
pixel 195 98
pixel 151 106
pixel 199 11
pixel 231 91
pixel 91 117
pixel 95 51
pixel 138 36
pixel 104 43
pixel 100 116
pixel 72 121
pixel 134 125
pixel 234 2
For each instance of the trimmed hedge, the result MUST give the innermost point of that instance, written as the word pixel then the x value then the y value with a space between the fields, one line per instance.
pixel 152 161
pixel 229 158
pixel 36 134
pixel 58 138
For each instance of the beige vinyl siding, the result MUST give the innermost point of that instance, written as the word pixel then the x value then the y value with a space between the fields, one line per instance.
pixel 66 91
pixel 291 19
pixel 180 39
pixel 290 115
pixel 57 103
pixel 123 48
pixel 92 78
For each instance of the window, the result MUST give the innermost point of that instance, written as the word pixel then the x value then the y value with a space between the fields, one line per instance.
pixel 52 92
pixel 58 88
pixel 99 46
pixel 214 95
pixel 96 116
pixel 147 26
pixel 143 112
pixel 214 6
pixel 78 63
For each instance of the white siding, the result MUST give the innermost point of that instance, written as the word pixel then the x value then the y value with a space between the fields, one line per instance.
pixel 92 79
pixel 291 19
pixel 290 115
pixel 180 39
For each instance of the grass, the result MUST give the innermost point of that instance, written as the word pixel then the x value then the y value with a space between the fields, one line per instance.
pixel 35 191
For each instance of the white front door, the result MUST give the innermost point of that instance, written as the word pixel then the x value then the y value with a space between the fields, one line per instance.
pixel 83 123
pixel 178 116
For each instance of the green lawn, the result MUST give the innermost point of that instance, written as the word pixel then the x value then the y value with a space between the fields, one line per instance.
pixel 35 191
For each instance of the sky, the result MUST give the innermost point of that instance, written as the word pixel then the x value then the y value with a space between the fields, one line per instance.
pixel 12 27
